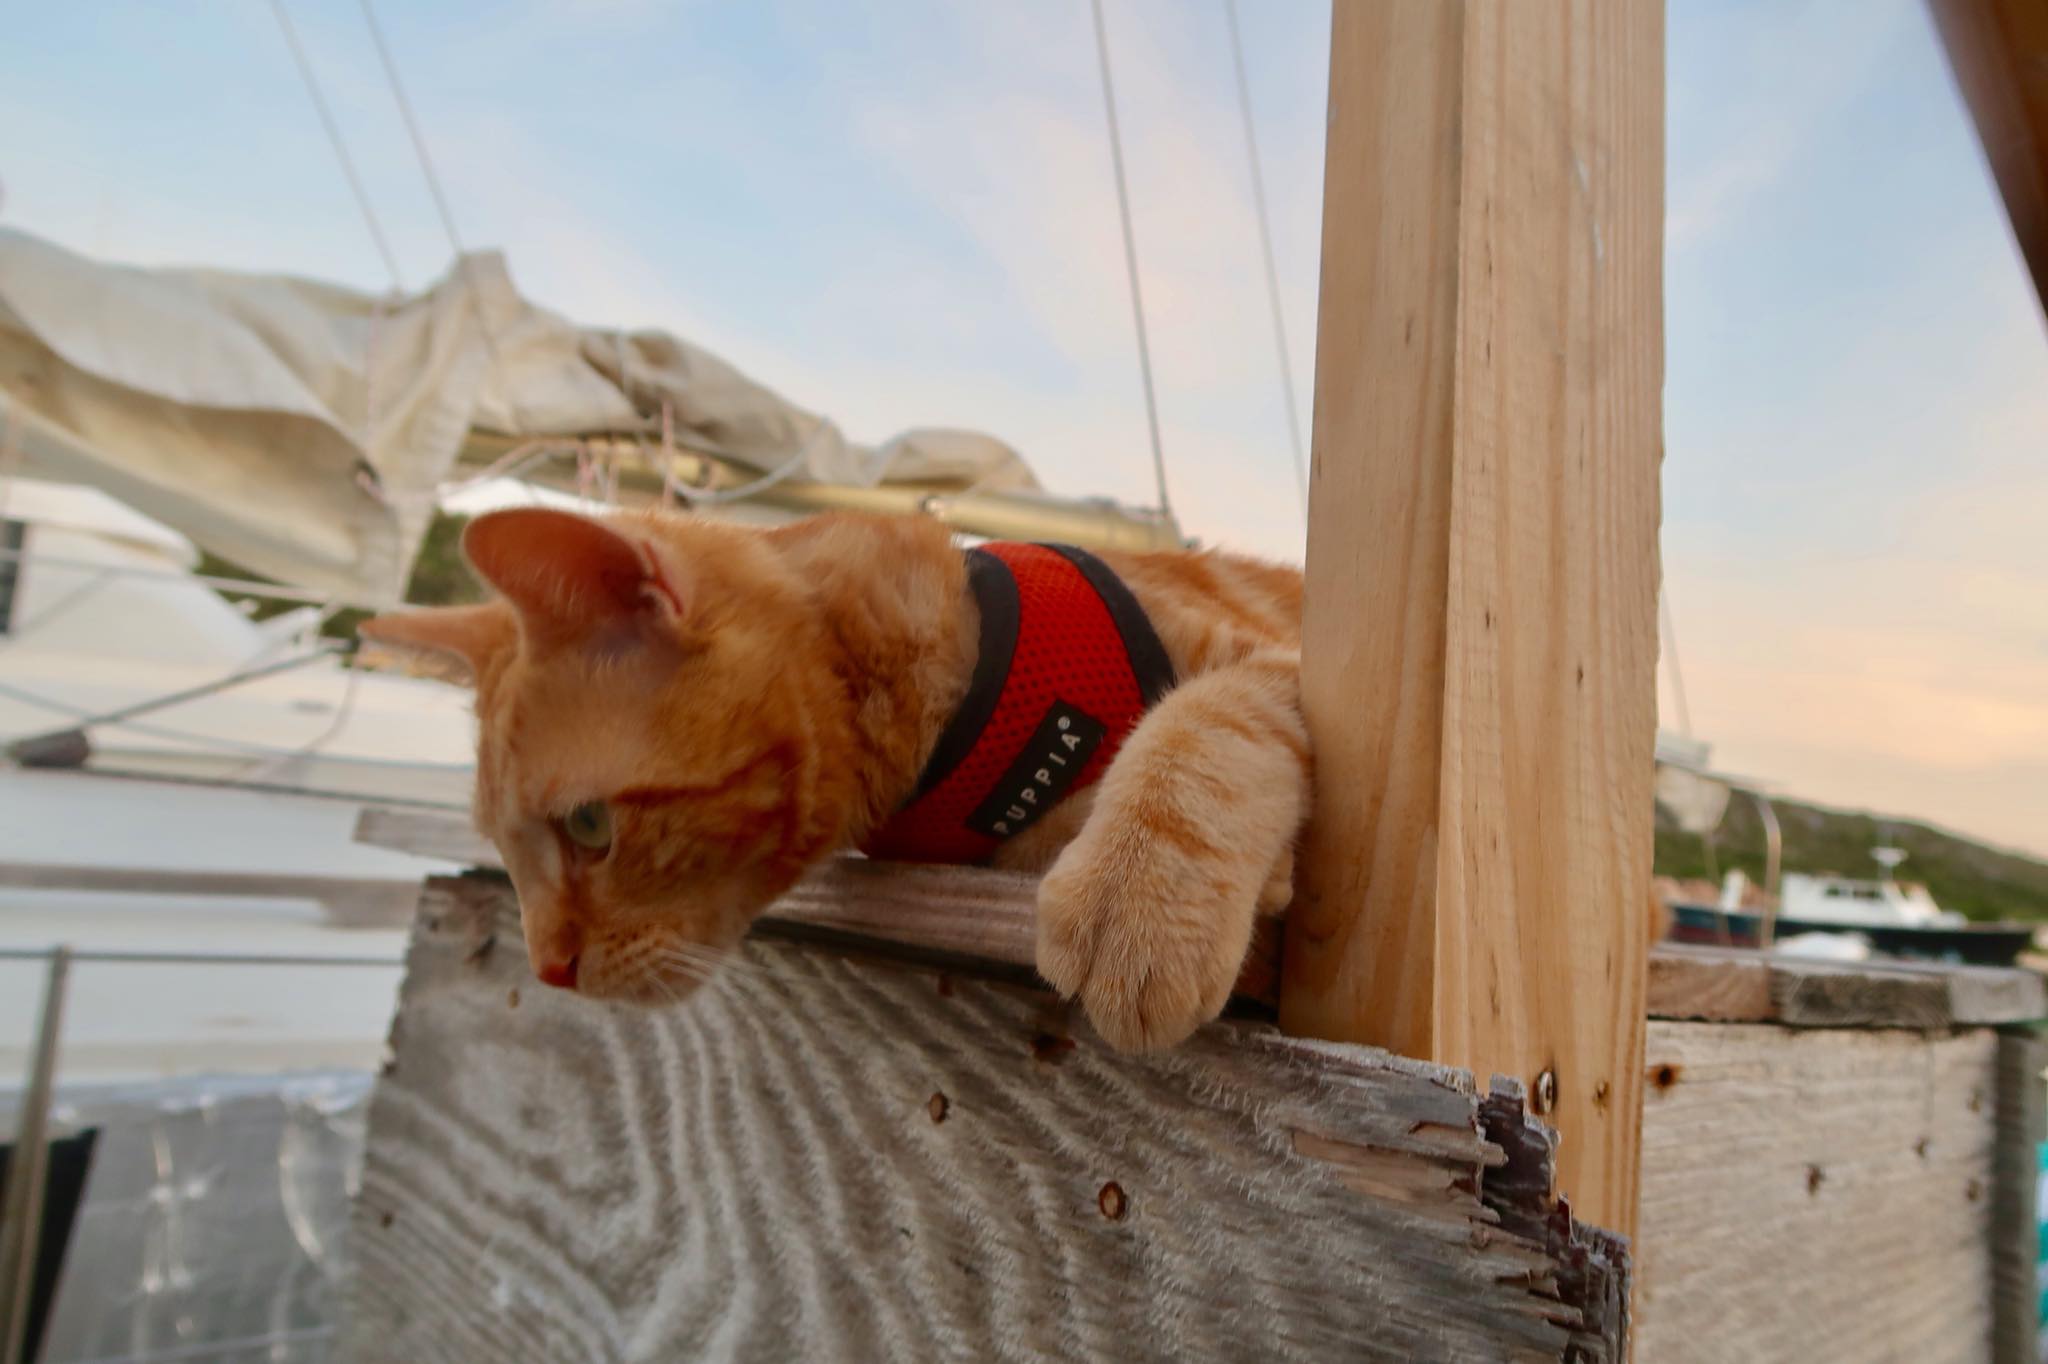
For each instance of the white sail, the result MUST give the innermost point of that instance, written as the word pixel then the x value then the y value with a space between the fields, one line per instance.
pixel 302 429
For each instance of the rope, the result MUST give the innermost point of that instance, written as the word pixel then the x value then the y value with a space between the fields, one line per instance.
pixel 343 713
pixel 247 587
pixel 716 497
pixel 184 694
pixel 412 127
pixel 1123 208
pixel 512 463
pixel 334 138
pixel 1251 148
pixel 260 755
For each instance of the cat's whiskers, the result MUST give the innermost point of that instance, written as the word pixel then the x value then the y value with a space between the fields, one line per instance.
pixel 704 966
pixel 655 979
pixel 709 959
pixel 695 968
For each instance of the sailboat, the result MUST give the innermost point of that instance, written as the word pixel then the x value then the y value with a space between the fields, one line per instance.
pixel 179 780
pixel 180 783
pixel 162 743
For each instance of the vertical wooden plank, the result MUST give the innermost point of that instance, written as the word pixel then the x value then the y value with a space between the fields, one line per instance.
pixel 1479 639
pixel 1998 50
pixel 2022 1125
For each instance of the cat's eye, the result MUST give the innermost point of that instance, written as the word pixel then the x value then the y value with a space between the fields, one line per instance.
pixel 589 825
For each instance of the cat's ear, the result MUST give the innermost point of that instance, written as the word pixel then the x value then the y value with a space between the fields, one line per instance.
pixel 560 569
pixel 465 638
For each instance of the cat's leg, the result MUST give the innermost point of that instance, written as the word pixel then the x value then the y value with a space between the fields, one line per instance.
pixel 1146 915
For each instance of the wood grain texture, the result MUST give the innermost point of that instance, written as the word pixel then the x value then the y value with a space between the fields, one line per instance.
pixel 823 1158
pixel 1816 1196
pixel 2022 1126
pixel 1479 640
pixel 988 917
pixel 1734 985
pixel 970 913
pixel 1998 50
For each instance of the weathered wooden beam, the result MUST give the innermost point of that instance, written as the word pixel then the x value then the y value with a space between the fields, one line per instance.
pixel 2021 1127
pixel 1998 50
pixel 1818 1194
pixel 830 1157
pixel 987 917
pixel 1736 985
pixel 928 912
pixel 1479 640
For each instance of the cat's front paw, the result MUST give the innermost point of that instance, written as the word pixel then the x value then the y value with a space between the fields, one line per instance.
pixel 1149 962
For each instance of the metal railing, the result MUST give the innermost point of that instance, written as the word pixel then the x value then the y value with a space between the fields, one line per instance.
pixel 22 1200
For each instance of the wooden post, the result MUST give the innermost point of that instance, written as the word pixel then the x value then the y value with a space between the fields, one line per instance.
pixel 1480 640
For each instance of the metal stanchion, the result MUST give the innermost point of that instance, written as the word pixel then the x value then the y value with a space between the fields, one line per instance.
pixel 20 1230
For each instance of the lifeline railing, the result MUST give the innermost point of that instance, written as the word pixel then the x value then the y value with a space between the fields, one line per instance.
pixel 21 1204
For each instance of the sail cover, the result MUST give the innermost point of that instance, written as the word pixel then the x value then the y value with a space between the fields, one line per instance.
pixel 302 429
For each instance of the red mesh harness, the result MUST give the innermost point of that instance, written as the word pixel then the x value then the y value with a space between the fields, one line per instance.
pixel 1068 662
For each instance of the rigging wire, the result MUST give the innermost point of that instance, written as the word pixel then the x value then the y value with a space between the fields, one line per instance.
pixel 1123 207
pixel 412 127
pixel 1677 670
pixel 1251 148
pixel 205 744
pixel 334 138
pixel 433 179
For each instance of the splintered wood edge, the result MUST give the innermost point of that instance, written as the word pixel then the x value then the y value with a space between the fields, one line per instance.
pixel 971 914
pixel 1419 1140
pixel 964 914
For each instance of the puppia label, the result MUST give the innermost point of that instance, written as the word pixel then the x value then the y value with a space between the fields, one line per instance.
pixel 1058 749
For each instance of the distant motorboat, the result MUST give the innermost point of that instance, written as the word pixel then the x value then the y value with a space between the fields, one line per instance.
pixel 1887 916
pixel 1880 913
pixel 1865 903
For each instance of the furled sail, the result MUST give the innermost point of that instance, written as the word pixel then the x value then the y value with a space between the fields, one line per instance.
pixel 304 430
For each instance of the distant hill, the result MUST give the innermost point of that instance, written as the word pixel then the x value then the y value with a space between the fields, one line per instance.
pixel 1968 877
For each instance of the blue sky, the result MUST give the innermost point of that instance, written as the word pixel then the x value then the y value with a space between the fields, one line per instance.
pixel 900 212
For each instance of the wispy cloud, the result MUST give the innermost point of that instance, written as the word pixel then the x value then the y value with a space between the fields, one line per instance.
pixel 1748 113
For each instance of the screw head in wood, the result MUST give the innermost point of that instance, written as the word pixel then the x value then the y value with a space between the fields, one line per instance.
pixel 1546 1091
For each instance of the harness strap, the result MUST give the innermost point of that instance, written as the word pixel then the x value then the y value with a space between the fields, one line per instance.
pixel 1068 662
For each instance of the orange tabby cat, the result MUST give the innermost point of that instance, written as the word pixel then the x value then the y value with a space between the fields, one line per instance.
pixel 680 717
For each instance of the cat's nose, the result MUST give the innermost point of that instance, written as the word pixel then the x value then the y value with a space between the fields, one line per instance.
pixel 560 972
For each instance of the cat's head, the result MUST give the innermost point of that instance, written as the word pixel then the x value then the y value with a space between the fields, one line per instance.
pixel 661 736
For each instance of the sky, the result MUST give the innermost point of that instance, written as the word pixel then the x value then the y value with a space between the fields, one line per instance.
pixel 901 213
